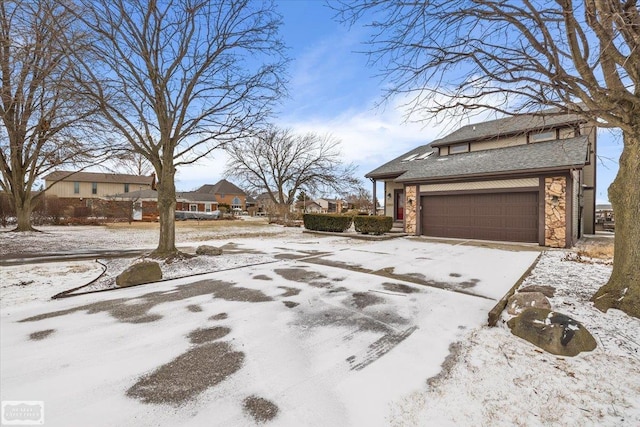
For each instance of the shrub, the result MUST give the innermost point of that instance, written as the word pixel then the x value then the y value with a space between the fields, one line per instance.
pixel 327 222
pixel 373 224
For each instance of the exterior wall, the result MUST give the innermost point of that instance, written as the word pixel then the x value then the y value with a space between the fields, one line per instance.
pixel 575 207
pixel 228 199
pixel 389 188
pixel 481 185
pixel 499 143
pixel 555 212
pixel 202 206
pixel 65 189
pixel 411 210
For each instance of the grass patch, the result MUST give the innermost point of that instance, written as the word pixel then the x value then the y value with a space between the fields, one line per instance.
pixel 595 249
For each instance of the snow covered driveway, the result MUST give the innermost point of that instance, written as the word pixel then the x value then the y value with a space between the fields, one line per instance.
pixel 329 331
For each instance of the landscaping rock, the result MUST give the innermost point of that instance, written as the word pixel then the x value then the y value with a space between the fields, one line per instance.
pixel 553 332
pixel 547 291
pixel 519 301
pixel 208 250
pixel 139 273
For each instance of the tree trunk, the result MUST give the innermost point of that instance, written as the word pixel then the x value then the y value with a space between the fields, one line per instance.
pixel 622 291
pixel 23 207
pixel 166 208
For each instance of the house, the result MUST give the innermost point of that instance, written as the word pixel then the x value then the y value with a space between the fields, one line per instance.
pixel 92 191
pixel 308 206
pixel 226 193
pixel 525 178
pixel 605 219
pixel 330 206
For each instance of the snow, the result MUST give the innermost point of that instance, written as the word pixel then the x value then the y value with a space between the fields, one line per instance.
pixel 325 361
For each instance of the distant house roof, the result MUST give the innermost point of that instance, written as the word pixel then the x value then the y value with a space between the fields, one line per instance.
pixel 550 155
pixel 221 187
pixel 196 196
pixel 509 126
pixel 137 195
pixel 117 178
pixel 604 207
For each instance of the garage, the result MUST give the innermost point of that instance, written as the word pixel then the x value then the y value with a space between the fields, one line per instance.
pixel 508 216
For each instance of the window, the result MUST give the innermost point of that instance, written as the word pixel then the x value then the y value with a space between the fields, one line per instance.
pixel 76 188
pixel 409 158
pixel 193 207
pixel 207 207
pixel 126 188
pixel 459 148
pixel 424 155
pixel 94 188
pixel 236 204
pixel 542 136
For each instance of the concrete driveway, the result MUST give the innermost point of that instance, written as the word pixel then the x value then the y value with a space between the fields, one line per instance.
pixel 331 332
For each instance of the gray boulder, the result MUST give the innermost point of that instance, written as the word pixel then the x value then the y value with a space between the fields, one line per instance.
pixel 139 273
pixel 553 332
pixel 208 250
pixel 519 301
pixel 547 291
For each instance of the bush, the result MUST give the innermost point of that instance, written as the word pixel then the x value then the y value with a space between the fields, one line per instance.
pixel 327 222
pixel 373 224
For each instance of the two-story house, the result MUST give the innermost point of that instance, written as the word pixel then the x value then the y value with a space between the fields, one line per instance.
pixel 525 178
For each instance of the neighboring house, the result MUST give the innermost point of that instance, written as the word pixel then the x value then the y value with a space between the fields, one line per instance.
pixel 605 219
pixel 330 206
pixel 90 192
pixel 308 206
pixel 226 193
pixel 526 178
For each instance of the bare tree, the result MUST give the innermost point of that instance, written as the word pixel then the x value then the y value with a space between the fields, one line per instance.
pixel 46 123
pixel 280 163
pixel 179 79
pixel 361 200
pixel 580 56
pixel 131 162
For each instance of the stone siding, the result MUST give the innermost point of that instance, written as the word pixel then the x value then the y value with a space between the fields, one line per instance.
pixel 410 209
pixel 555 212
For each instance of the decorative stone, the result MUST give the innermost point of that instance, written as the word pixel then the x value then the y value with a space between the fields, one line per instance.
pixel 139 273
pixel 519 301
pixel 553 332
pixel 208 250
pixel 546 290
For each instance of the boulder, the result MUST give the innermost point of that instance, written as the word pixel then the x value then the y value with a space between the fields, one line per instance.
pixel 208 250
pixel 519 301
pixel 139 273
pixel 547 291
pixel 553 332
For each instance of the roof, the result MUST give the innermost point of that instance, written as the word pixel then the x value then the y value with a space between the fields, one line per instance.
pixel 196 196
pixel 118 178
pixel 604 207
pixel 551 155
pixel 221 187
pixel 509 126
pixel 138 194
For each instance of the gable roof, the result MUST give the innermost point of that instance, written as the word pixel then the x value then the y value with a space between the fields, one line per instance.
pixel 511 125
pixel 221 187
pixel 117 178
pixel 559 154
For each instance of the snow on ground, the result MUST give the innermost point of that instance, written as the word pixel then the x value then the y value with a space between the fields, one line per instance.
pixel 337 340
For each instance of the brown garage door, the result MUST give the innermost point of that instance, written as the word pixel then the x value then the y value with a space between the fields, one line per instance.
pixel 509 217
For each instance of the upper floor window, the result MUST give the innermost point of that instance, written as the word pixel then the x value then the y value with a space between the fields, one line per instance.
pixel 126 188
pixel 236 203
pixel 458 148
pixel 76 187
pixel 542 136
pixel 94 188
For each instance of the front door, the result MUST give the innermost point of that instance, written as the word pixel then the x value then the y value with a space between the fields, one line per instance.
pixel 399 204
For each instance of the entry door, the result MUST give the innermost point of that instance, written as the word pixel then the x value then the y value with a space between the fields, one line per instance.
pixel 399 204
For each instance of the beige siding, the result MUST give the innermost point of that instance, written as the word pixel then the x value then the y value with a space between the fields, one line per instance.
pixel 499 143
pixel 575 176
pixel 65 189
pixel 567 133
pixel 389 188
pixel 589 180
pixel 481 185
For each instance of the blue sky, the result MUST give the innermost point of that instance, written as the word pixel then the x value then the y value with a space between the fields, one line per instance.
pixel 332 90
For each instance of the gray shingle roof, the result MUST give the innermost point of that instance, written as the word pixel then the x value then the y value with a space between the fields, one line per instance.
pixel 556 154
pixel 550 155
pixel 118 178
pixel 221 187
pixel 509 126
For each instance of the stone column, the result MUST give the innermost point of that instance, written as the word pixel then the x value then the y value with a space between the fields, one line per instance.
pixel 410 209
pixel 555 212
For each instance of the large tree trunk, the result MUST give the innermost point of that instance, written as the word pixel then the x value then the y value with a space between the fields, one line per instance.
pixel 622 291
pixel 166 209
pixel 24 207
